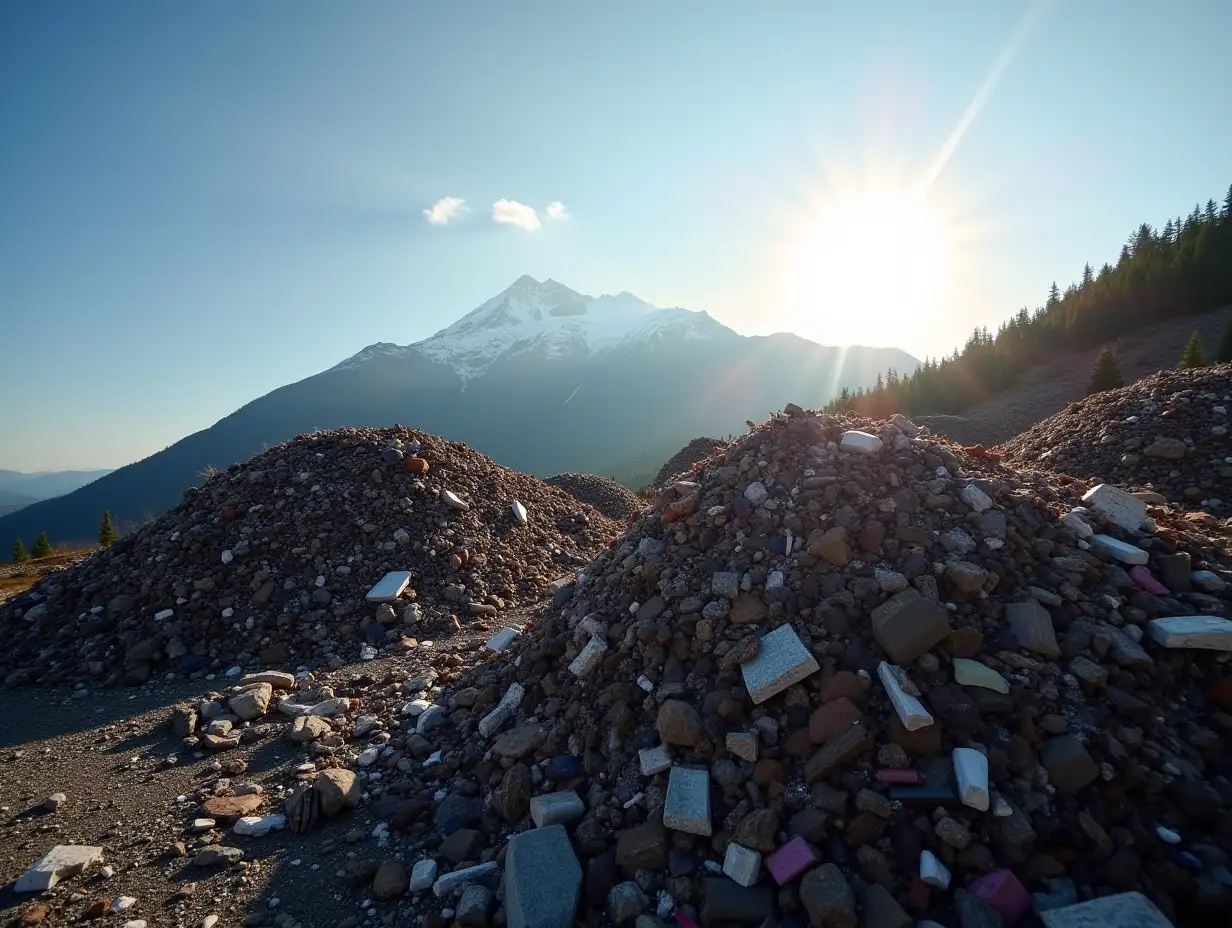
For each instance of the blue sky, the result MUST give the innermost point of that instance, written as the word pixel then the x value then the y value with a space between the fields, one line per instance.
pixel 204 201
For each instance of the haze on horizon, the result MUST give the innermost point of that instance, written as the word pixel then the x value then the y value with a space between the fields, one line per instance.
pixel 205 202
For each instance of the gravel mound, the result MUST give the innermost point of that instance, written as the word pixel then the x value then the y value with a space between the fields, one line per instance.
pixel 916 665
pixel 269 562
pixel 614 500
pixel 1167 433
pixel 681 463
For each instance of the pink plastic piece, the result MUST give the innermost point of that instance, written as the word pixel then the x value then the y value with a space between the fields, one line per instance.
pixel 1001 890
pixel 682 919
pixel 789 861
pixel 898 775
pixel 1142 577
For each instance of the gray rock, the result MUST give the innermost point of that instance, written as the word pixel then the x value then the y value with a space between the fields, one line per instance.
pixel 218 856
pixel 339 790
pixel 390 881
pixel 678 723
pixel 728 903
pixel 827 898
pixel 625 902
pixel 472 911
pixel 687 807
pixel 556 808
pixel 781 661
pixel 908 626
pixel 974 912
pixel 1069 766
pixel 543 879
pixel 881 910
pixel 1124 910
pixel 1032 626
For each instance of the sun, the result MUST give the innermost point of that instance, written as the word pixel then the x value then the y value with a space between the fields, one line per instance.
pixel 867 267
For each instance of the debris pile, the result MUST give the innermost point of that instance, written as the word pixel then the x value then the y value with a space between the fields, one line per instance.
pixel 614 500
pixel 1168 433
pixel 683 461
pixel 270 563
pixel 845 675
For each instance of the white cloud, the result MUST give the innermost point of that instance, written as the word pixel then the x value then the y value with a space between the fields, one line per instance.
pixel 446 210
pixel 556 210
pixel 516 214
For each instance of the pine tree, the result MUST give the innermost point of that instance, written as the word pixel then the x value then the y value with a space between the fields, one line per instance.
pixel 1223 353
pixel 42 545
pixel 1106 374
pixel 19 551
pixel 107 534
pixel 1192 356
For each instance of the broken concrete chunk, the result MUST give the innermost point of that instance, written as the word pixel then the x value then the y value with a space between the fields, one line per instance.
pixel 1119 550
pixel 389 587
pixel 60 863
pixel 859 442
pixel 484 874
pixel 502 639
pixel 971 774
pixel 1123 910
pixel 911 711
pixel 1205 632
pixel 933 871
pixel 742 864
pixel 588 658
pixel 1116 506
pixel 556 808
pixel 687 807
pixel 1032 625
pixel 976 498
pixel 495 720
pixel 782 661
pixel 973 673
pixel 655 760
pixel 543 879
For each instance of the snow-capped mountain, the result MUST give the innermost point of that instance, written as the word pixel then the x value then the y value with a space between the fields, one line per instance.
pixel 547 319
pixel 541 378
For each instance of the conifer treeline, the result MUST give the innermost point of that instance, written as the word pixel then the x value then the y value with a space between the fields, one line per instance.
pixel 1184 268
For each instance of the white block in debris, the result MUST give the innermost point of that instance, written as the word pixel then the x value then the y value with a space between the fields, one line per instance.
pixel 859 442
pixel 971 774
pixel 258 826
pixel 654 760
pixel 423 875
pixel 556 808
pixel 588 658
pixel 782 660
pixel 1078 524
pixel 1115 505
pixel 492 722
pixel 1207 632
pixel 976 498
pixel 687 807
pixel 480 873
pixel 519 512
pixel 162 615
pixel 741 864
pixel 972 673
pixel 502 639
pixel 933 871
pixel 389 587
pixel 60 863
pixel 454 501
pixel 1123 910
pixel 911 711
pixel 1119 550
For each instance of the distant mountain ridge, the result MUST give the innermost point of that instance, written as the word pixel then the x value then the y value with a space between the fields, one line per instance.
pixel 540 378
pixel 19 489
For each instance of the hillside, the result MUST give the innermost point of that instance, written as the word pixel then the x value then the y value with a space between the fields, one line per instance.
pixel 540 378
pixel 1048 389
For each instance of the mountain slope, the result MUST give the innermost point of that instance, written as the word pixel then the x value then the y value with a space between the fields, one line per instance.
pixel 540 378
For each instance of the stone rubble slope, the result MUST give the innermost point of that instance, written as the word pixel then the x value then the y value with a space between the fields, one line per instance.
pixel 1167 433
pixel 269 563
pixel 872 686
pixel 614 500
pixel 683 461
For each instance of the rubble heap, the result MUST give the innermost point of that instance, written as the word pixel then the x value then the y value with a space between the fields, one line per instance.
pixel 1167 433
pixel 683 461
pixel 614 500
pixel 271 560
pixel 846 675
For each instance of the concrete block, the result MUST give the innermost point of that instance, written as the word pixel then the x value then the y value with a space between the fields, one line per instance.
pixel 741 864
pixel 1207 632
pixel 495 720
pixel 782 661
pixel 588 658
pixel 60 863
pixel 655 760
pixel 933 871
pixel 519 512
pixel 1124 910
pixel 502 639
pixel 687 807
pixel 485 874
pixel 1116 506
pixel 973 673
pixel 1032 625
pixel 976 498
pixel 911 711
pixel 556 808
pixel 971 775
pixel 1078 524
pixel 791 860
pixel 859 442
pixel 907 625
pixel 543 879
pixel 389 587
pixel 1119 550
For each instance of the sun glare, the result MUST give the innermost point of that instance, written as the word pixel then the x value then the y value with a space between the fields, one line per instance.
pixel 868 266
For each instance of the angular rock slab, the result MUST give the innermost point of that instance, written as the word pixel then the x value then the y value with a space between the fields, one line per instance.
pixel 1207 632
pixel 389 587
pixel 1117 506
pixel 782 661
pixel 60 863
pixel 1119 550
pixel 543 879
pixel 907 625
pixel 742 864
pixel 1124 910
pixel 860 442
pixel 556 808
pixel 1032 625
pixel 687 807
